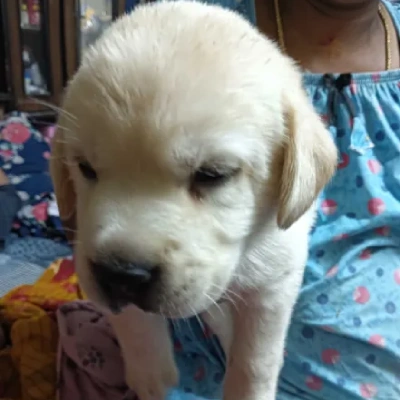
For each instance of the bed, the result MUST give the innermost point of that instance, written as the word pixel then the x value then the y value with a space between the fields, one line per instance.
pixel 37 237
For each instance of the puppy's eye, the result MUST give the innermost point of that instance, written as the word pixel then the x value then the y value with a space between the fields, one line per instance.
pixel 211 176
pixel 87 171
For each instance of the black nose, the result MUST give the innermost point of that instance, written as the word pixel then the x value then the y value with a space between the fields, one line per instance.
pixel 123 282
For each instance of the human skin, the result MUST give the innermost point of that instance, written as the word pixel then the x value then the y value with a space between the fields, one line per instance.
pixel 344 36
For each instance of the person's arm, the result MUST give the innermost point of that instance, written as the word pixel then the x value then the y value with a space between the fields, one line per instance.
pixel 10 203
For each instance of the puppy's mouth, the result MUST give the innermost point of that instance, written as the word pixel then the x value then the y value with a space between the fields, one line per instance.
pixel 119 286
pixel 178 306
pixel 120 296
pixel 122 285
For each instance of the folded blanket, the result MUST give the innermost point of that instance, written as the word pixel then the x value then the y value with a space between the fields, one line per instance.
pixel 27 315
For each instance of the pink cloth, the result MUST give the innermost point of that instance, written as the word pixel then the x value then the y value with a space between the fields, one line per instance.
pixel 90 364
pixel 48 132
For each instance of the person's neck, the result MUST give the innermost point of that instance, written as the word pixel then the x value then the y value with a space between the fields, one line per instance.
pixel 323 23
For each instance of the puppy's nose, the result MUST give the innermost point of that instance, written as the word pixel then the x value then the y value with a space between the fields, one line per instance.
pixel 141 275
pixel 124 282
pixel 125 272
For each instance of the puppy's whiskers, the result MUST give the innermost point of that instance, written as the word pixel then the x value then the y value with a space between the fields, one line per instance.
pixel 188 323
pixel 65 129
pixel 174 324
pixel 229 295
pixel 201 323
pixel 70 137
pixel 59 110
pixel 215 303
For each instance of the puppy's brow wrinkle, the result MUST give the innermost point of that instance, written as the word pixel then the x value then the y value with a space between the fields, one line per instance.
pixel 66 162
pixel 62 159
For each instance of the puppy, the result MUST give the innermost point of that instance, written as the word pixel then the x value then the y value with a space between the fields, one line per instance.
pixel 191 157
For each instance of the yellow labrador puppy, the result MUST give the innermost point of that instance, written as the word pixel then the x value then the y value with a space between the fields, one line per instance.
pixel 192 159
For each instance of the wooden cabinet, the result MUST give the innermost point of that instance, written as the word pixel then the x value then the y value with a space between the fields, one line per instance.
pixel 83 22
pixel 34 53
pixel 42 43
pixel 5 89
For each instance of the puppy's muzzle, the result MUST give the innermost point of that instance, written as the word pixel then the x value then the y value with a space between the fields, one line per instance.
pixel 124 282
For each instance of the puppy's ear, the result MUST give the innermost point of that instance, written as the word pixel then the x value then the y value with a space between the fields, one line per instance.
pixel 63 184
pixel 310 158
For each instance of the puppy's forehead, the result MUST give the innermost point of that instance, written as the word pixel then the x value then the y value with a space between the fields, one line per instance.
pixel 173 71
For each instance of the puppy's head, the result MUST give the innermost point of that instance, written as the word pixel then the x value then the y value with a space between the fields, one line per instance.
pixel 183 134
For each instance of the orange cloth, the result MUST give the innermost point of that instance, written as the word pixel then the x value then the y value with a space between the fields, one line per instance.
pixel 28 366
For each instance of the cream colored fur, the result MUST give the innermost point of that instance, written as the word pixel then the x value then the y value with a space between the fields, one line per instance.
pixel 167 89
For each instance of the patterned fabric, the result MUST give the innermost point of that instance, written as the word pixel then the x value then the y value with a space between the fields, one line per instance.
pixel 344 341
pixel 199 357
pixel 14 272
pixel 90 364
pixel 27 314
pixel 36 250
pixel 24 155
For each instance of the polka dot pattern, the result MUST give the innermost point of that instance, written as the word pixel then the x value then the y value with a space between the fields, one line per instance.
pixel 330 356
pixel 376 206
pixel 370 359
pixel 380 136
pixel 365 254
pixel 332 271
pixel 328 207
pixel 361 295
pixel 368 390
pixel 339 237
pixel 344 161
pixel 377 340
pixel 307 332
pixel 374 166
pixel 383 231
pixel 390 307
pixel 352 286
pixel 314 383
pixel 397 276
pixel 200 374
pixel 323 299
